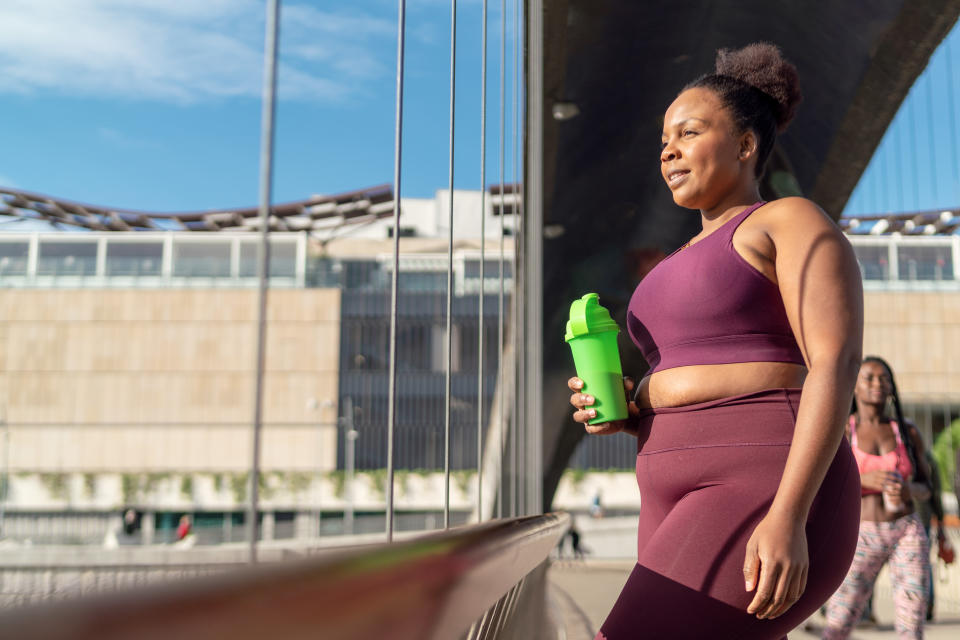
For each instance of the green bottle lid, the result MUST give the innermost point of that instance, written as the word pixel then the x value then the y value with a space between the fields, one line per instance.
pixel 588 316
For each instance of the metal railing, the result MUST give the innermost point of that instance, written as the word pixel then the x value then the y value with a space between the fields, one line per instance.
pixel 481 581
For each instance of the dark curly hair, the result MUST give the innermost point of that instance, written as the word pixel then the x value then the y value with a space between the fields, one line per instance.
pixel 759 88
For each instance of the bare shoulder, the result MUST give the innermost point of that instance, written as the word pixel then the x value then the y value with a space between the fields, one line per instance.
pixel 797 213
pixel 799 221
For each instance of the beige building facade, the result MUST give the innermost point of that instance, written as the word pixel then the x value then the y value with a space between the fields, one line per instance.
pixel 161 380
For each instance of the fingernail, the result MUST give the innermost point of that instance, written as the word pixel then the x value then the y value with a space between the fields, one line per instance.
pixel 589 399
pixel 593 413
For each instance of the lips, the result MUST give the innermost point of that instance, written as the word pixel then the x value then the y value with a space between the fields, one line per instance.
pixel 676 176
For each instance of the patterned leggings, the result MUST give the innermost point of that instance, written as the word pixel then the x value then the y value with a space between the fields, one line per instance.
pixel 904 544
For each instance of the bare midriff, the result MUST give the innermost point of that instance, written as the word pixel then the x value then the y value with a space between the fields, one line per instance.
pixel 701 383
pixel 871 509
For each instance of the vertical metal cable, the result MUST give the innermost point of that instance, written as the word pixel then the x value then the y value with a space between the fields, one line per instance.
pixel 914 151
pixel 515 433
pixel 930 140
pixel 954 142
pixel 398 147
pixel 500 312
pixel 896 132
pixel 483 245
pixel 263 264
pixel 446 427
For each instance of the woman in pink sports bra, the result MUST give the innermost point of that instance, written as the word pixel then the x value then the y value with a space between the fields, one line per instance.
pixel 886 451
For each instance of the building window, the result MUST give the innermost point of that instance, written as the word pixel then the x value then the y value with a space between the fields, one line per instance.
pixel 134 258
pixel 873 262
pixel 67 258
pixel 13 258
pixel 283 259
pixel 925 263
pixel 201 259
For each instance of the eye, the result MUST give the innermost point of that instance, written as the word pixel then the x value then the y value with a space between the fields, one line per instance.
pixel 689 132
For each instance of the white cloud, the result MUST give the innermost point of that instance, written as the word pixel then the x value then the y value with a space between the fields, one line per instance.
pixel 182 50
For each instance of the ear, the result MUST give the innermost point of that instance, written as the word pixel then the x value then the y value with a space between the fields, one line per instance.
pixel 748 145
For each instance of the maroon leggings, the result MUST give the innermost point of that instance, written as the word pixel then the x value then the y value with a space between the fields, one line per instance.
pixel 707 474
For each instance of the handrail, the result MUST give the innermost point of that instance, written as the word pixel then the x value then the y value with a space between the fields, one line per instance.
pixel 433 586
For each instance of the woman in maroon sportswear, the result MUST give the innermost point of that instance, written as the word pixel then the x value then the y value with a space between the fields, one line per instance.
pixel 753 331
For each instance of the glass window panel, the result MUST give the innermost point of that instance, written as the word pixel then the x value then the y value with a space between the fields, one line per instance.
pixel 283 259
pixel 925 262
pixel 201 259
pixel 360 274
pixel 471 269
pixel 13 258
pixel 422 281
pixel 134 258
pixel 67 258
pixel 873 262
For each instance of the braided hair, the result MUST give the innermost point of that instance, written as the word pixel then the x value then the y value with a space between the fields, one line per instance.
pixel 901 421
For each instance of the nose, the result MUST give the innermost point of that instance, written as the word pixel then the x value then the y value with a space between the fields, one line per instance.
pixel 668 153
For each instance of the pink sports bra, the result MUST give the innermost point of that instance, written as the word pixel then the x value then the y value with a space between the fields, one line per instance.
pixel 894 460
pixel 707 305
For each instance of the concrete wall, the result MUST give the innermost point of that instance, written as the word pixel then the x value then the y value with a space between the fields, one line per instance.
pixel 159 380
pixel 918 333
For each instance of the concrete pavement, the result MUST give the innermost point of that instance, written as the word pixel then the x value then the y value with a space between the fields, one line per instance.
pixel 582 592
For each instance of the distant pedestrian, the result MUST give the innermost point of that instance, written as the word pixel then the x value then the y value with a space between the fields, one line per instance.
pixel 185 528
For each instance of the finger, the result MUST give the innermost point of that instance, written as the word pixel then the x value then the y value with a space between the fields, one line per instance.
pixel 781 595
pixel 751 567
pixel 794 591
pixel 574 384
pixel 604 428
pixel 628 383
pixel 584 415
pixel 766 587
pixel 580 400
pixel 633 409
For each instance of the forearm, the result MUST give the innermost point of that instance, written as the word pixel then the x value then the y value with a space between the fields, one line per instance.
pixel 824 407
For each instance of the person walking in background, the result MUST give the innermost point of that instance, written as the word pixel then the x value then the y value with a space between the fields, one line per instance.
pixel 753 331
pixel 893 472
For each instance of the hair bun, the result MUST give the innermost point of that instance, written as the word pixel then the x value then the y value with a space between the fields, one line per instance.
pixel 762 65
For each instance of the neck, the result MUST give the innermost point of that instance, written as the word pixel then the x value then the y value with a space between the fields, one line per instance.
pixel 869 413
pixel 729 206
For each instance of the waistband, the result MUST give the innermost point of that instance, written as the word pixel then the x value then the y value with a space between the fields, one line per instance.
pixel 758 418
pixel 777 395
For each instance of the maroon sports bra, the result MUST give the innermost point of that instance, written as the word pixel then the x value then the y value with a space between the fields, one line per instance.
pixel 707 305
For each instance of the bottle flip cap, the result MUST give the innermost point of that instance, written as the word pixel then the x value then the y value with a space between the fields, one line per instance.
pixel 588 316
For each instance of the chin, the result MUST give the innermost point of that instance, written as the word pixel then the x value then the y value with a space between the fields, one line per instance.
pixel 685 202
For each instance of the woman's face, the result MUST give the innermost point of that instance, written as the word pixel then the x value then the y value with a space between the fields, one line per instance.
pixel 873 384
pixel 700 157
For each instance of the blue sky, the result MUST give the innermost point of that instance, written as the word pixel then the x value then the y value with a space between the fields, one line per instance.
pixel 155 104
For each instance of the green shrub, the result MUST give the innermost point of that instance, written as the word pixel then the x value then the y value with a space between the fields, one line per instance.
pixel 945 452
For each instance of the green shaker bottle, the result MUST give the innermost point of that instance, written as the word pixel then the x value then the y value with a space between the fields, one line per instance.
pixel 592 336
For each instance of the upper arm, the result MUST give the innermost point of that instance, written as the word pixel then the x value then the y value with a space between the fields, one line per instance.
pixel 819 282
